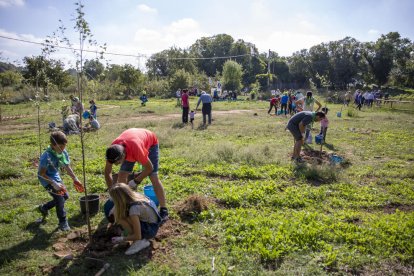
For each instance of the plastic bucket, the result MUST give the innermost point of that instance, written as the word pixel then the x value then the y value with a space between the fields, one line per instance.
pixel 318 139
pixel 149 192
pixel 86 115
pixel 335 159
pixel 339 114
pixel 93 204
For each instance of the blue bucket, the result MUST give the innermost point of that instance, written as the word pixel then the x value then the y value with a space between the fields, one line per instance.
pixel 318 139
pixel 335 159
pixel 86 115
pixel 149 192
pixel 338 114
pixel 279 112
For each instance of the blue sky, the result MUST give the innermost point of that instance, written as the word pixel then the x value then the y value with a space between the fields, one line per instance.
pixel 147 27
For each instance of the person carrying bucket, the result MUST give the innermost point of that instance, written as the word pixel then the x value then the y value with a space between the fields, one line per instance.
pixel 137 214
pixel 131 146
pixel 51 160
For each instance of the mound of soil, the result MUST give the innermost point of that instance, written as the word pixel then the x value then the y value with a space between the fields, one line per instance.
pixel 315 156
pixel 189 209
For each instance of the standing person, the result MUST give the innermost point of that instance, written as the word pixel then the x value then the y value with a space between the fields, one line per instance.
pixel 324 124
pixel 284 103
pixel 359 100
pixel 192 114
pixel 54 158
pixel 297 125
pixel 290 103
pixel 137 214
pixel 308 105
pixel 178 96
pixel 347 98
pixel 206 109
pixel 136 145
pixel 185 105
pixel 93 108
pixel 272 104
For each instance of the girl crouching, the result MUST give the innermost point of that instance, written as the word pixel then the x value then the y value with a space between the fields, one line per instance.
pixel 137 214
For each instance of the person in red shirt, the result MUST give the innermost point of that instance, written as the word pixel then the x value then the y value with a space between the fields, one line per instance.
pixel 136 145
pixel 274 102
pixel 185 105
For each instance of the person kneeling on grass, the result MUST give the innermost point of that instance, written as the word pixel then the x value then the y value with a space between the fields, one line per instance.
pixel 137 214
pixel 297 126
pixel 51 160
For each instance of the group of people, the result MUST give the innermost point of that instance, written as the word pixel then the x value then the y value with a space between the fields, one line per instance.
pixel 366 98
pixel 71 117
pixel 137 214
pixel 206 108
pixel 290 102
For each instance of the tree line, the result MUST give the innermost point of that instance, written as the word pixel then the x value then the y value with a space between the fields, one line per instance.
pixel 336 65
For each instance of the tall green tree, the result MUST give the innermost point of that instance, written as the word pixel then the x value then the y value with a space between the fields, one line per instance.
pixel 94 69
pixel 232 75
pixel 132 78
pixel 209 49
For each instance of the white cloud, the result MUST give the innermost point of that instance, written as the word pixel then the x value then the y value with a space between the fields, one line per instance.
pixel 373 32
pixel 286 43
pixel 146 9
pixel 181 33
pixel 9 3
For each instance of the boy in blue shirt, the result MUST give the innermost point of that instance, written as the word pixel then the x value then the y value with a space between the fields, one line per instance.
pixel 50 161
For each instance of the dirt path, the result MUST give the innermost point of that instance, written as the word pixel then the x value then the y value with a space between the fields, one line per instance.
pixel 9 127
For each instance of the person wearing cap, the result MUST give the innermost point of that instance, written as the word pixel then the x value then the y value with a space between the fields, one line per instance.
pixel 131 146
pixel 297 125
pixel 206 109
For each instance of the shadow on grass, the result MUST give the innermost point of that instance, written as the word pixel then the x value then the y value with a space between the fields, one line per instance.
pixel 40 241
pixel 316 175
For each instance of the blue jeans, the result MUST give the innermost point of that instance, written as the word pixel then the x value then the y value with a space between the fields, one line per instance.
pixel 58 201
pixel 153 155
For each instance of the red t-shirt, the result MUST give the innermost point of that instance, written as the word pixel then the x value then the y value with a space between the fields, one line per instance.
pixel 274 101
pixel 184 100
pixel 137 142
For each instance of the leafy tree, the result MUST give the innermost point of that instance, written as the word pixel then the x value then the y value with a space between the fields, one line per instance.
pixel 208 49
pixel 113 72
pixel 167 62
pixel 180 79
pixel 132 78
pixel 10 78
pixel 40 71
pixel 299 67
pixel 232 75
pixel 94 69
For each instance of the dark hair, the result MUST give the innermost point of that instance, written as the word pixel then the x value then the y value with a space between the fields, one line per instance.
pixel 325 110
pixel 320 114
pixel 114 153
pixel 58 138
pixel 308 94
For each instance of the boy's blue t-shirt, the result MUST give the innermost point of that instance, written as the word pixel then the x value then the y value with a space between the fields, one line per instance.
pixel 284 99
pixel 52 163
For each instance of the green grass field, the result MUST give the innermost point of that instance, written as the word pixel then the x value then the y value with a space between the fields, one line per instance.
pixel 262 214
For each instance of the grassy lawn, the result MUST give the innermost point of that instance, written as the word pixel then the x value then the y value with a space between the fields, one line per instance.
pixel 261 214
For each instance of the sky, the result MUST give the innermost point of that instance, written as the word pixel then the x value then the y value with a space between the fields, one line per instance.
pixel 141 28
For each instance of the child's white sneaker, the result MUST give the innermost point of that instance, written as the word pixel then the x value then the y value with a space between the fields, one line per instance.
pixel 137 246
